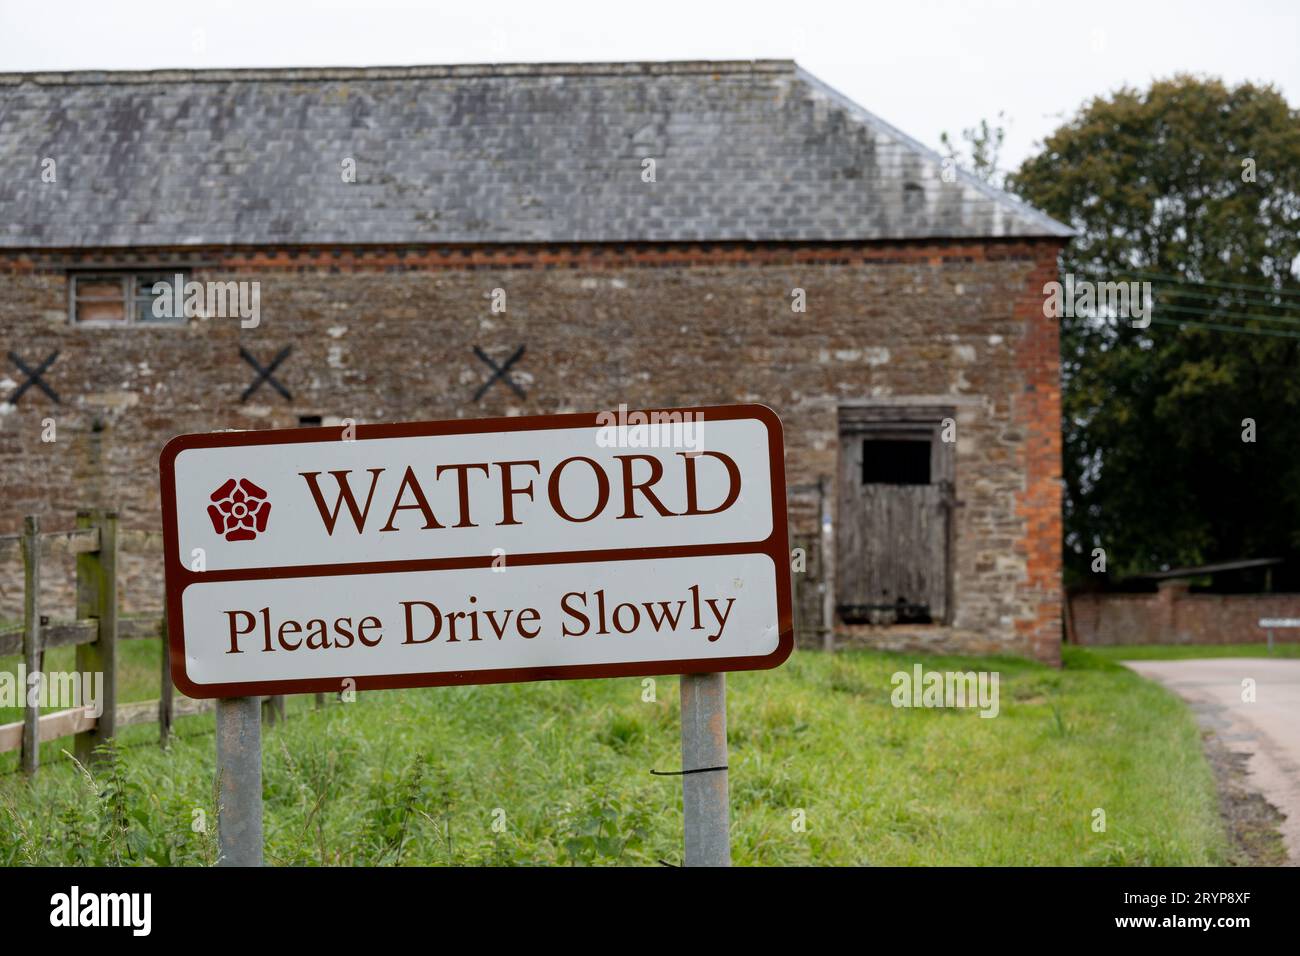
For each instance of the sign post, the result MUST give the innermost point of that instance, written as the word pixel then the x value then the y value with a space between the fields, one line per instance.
pixel 427 554
pixel 1269 623
pixel 705 807
pixel 239 781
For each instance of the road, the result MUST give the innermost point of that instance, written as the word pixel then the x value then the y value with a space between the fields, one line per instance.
pixel 1267 729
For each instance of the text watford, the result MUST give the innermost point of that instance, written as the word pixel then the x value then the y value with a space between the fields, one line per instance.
pixel 578 489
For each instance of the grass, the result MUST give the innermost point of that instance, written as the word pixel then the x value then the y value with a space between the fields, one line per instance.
pixel 139 674
pixel 1178 652
pixel 559 773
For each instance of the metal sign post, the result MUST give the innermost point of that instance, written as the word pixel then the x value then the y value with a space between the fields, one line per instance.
pixel 1269 623
pixel 705 808
pixel 239 781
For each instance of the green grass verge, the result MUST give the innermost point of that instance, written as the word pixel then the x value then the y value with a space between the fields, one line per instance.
pixel 1178 652
pixel 563 769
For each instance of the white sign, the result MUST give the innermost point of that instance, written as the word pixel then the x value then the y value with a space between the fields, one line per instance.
pixel 472 552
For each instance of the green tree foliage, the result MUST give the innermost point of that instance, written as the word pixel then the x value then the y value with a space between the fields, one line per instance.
pixel 983 149
pixel 1195 187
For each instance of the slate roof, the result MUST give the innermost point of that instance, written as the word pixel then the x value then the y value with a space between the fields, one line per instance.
pixel 470 154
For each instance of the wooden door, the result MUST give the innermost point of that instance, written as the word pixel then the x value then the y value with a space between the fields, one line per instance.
pixel 893 534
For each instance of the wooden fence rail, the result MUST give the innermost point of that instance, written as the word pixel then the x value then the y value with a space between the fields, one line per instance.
pixel 64 723
pixel 94 631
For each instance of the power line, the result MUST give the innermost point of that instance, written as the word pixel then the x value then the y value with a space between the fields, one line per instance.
pixel 1215 327
pixel 1234 298
pixel 1218 327
pixel 1184 280
pixel 1186 289
pixel 1217 312
pixel 1173 290
pixel 1284 319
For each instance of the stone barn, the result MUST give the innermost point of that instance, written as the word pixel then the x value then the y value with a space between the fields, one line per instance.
pixel 475 241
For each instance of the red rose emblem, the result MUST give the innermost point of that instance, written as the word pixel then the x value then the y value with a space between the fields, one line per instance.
pixel 239 510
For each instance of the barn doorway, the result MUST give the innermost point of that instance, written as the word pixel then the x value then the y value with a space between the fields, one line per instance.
pixel 894 537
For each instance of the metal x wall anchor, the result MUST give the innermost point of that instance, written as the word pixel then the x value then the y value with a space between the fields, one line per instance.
pixel 34 378
pixel 264 374
pixel 499 372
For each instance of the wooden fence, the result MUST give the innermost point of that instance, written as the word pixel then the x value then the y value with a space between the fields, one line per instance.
pixel 95 629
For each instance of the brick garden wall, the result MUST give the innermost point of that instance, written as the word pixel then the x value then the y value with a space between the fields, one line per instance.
pixel 386 335
pixel 1176 616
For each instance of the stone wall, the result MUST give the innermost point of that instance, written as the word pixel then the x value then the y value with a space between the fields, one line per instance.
pixel 388 334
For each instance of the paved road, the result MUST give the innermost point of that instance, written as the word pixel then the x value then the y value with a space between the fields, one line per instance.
pixel 1268 729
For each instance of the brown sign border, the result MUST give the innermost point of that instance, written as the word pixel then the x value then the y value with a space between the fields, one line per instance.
pixel 178 577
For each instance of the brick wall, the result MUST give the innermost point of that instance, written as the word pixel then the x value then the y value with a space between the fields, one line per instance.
pixel 387 334
pixel 1174 615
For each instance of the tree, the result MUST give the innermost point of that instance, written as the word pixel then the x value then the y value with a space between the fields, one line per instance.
pixel 984 144
pixel 1195 187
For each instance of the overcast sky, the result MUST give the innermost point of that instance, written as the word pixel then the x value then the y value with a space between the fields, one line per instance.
pixel 923 65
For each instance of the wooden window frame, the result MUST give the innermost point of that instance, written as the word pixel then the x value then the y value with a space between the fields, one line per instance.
pixel 131 282
pixel 906 422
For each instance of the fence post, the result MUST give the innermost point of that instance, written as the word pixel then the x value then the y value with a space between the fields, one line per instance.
pixel 31 642
pixel 273 709
pixel 824 529
pixel 97 598
pixel 166 696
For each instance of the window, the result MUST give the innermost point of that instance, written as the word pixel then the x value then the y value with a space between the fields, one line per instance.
pixel 122 298
pixel 895 462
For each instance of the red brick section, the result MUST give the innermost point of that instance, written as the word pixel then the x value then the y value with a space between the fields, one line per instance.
pixel 1038 410
pixel 1173 615
pixel 333 259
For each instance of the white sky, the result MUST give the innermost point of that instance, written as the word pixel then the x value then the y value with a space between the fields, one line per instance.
pixel 923 65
